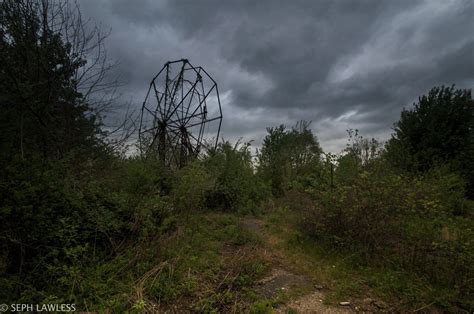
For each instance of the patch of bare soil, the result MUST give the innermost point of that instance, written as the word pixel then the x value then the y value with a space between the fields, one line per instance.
pixel 282 280
pixel 253 224
pixel 312 303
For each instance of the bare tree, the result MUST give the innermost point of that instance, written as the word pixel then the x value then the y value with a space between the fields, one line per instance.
pixel 93 77
pixel 95 80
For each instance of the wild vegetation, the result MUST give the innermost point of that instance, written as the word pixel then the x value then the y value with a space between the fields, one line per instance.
pixel 83 223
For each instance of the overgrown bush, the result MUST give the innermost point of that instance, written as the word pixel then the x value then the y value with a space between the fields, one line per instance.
pixel 236 185
pixel 190 186
pixel 51 221
pixel 287 156
pixel 139 176
pixel 437 130
pixel 60 218
pixel 420 224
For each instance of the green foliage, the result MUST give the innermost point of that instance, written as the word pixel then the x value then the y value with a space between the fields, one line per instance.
pixel 190 187
pixel 421 225
pixel 236 185
pixel 50 221
pixel 287 155
pixel 41 111
pixel 56 215
pixel 360 154
pixel 438 130
pixel 262 307
pixel 211 265
pixel 379 217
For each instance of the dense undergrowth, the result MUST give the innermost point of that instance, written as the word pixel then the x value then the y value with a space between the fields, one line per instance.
pixel 88 237
pixel 139 237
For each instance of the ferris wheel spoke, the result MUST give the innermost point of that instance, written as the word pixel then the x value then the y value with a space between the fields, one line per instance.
pixel 151 112
pixel 205 104
pixel 177 81
pixel 180 132
pixel 150 129
pixel 204 121
pixel 200 103
pixel 199 142
pixel 176 134
pixel 158 99
pixel 177 122
pixel 182 93
pixel 181 102
pixel 194 91
pixel 173 128
pixel 201 130
pixel 170 85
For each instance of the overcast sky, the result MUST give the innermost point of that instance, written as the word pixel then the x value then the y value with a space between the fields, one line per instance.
pixel 340 64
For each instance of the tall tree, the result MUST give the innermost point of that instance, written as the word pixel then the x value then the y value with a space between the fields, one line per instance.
pixel 438 129
pixel 51 66
pixel 286 154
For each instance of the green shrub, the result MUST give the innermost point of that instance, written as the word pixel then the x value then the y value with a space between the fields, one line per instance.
pixel 437 130
pixel 144 176
pixel 59 219
pixel 191 184
pixel 287 155
pixel 51 221
pixel 236 186
pixel 422 225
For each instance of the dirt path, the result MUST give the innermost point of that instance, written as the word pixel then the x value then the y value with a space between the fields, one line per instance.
pixel 304 295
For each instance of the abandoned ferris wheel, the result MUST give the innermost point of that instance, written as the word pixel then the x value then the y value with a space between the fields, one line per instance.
pixel 181 114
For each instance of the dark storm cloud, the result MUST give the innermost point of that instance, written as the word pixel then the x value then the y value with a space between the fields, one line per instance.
pixel 340 64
